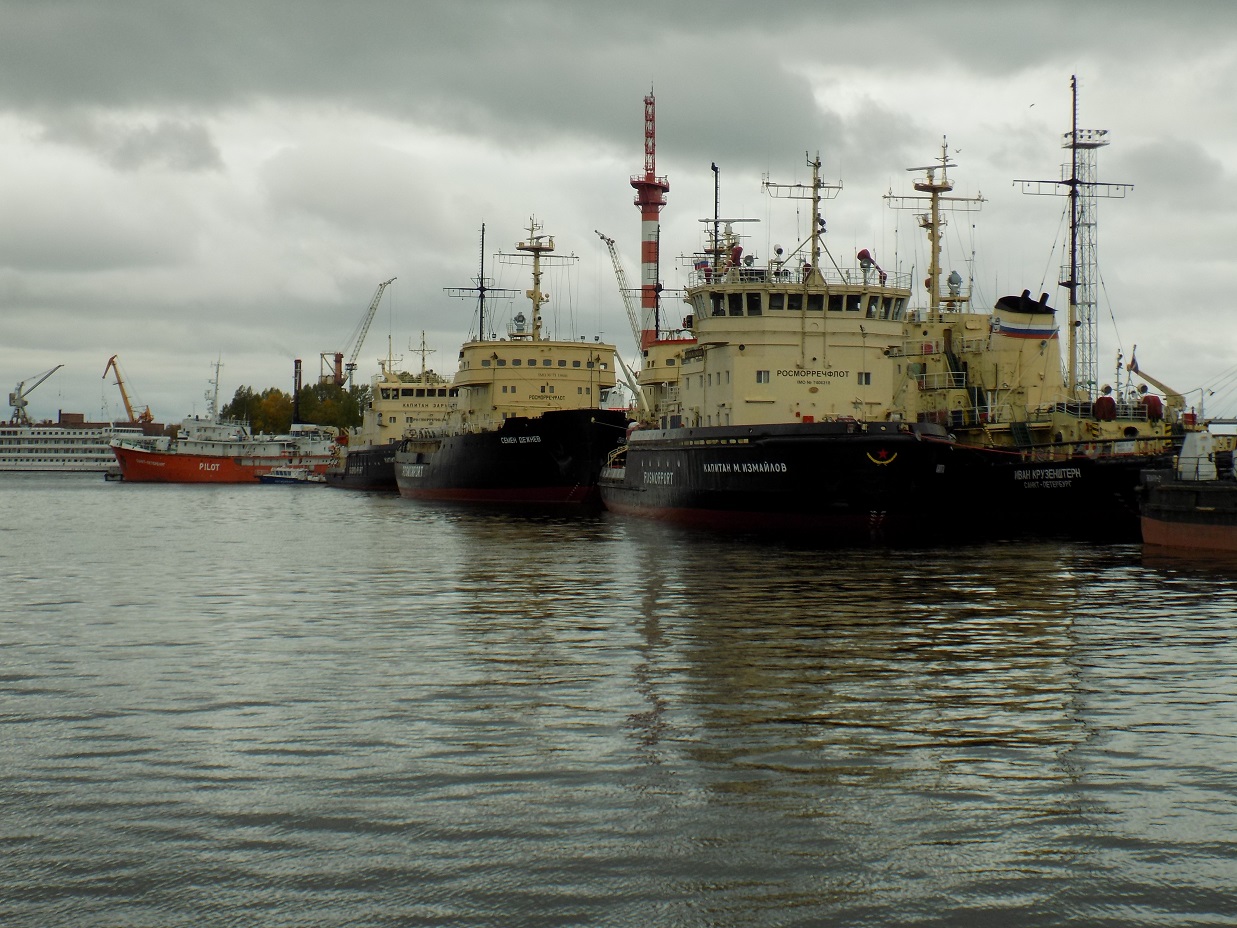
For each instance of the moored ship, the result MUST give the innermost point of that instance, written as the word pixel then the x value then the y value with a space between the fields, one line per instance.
pixel 1049 449
pixel 525 425
pixel 402 405
pixel 287 475
pixel 778 413
pixel 212 449
pixel 1193 507
pixel 68 445
pixel 941 422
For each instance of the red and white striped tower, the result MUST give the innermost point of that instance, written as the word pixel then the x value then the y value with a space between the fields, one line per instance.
pixel 650 197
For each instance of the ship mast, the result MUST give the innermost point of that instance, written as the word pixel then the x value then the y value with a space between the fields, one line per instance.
pixel 212 395
pixel 818 192
pixel 933 221
pixel 537 244
pixel 1081 272
pixel 423 352
pixel 481 289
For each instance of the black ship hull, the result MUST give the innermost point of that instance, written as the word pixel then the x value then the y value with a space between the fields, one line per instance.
pixel 1090 498
pixel 879 482
pixel 371 468
pixel 550 460
pixel 835 483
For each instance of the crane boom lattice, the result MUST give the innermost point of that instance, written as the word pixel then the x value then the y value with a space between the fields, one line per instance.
pixel 633 317
pixel 363 328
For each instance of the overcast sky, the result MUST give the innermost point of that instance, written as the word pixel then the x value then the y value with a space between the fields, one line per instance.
pixel 183 182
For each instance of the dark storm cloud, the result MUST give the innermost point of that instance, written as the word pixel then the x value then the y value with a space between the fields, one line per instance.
pixel 523 71
pixel 235 176
pixel 171 144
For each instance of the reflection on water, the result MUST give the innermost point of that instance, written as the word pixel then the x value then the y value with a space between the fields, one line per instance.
pixel 305 706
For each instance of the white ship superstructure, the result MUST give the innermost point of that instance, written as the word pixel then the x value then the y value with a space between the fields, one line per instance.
pixel 62 447
pixel 68 445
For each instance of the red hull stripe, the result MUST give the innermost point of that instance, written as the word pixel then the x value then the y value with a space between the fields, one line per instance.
pixel 1189 535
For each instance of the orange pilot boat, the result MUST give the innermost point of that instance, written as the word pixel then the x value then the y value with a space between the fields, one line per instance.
pixel 210 449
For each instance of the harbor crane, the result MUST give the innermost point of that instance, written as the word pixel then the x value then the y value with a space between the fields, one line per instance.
pixel 145 415
pixel 341 373
pixel 632 317
pixel 17 399
pixel 1172 399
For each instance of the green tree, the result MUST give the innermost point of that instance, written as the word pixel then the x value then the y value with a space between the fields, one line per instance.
pixel 242 405
pixel 273 413
pixel 320 404
pixel 328 404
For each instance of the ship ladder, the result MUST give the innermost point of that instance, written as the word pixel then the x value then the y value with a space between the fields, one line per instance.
pixel 978 399
pixel 1021 434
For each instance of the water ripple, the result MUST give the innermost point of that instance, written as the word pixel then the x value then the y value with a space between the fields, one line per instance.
pixel 325 708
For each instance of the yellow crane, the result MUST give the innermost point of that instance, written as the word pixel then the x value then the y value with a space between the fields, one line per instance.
pixel 1173 400
pixel 145 415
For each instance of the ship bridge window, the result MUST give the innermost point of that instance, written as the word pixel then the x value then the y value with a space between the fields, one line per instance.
pixel 717 304
pixel 873 303
pixel 835 302
pixel 794 302
pixel 753 304
pixel 886 307
pixel 735 304
pixel 777 301
pixel 698 304
pixel 816 302
pixel 852 302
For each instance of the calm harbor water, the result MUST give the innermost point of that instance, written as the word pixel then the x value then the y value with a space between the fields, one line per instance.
pixel 303 706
